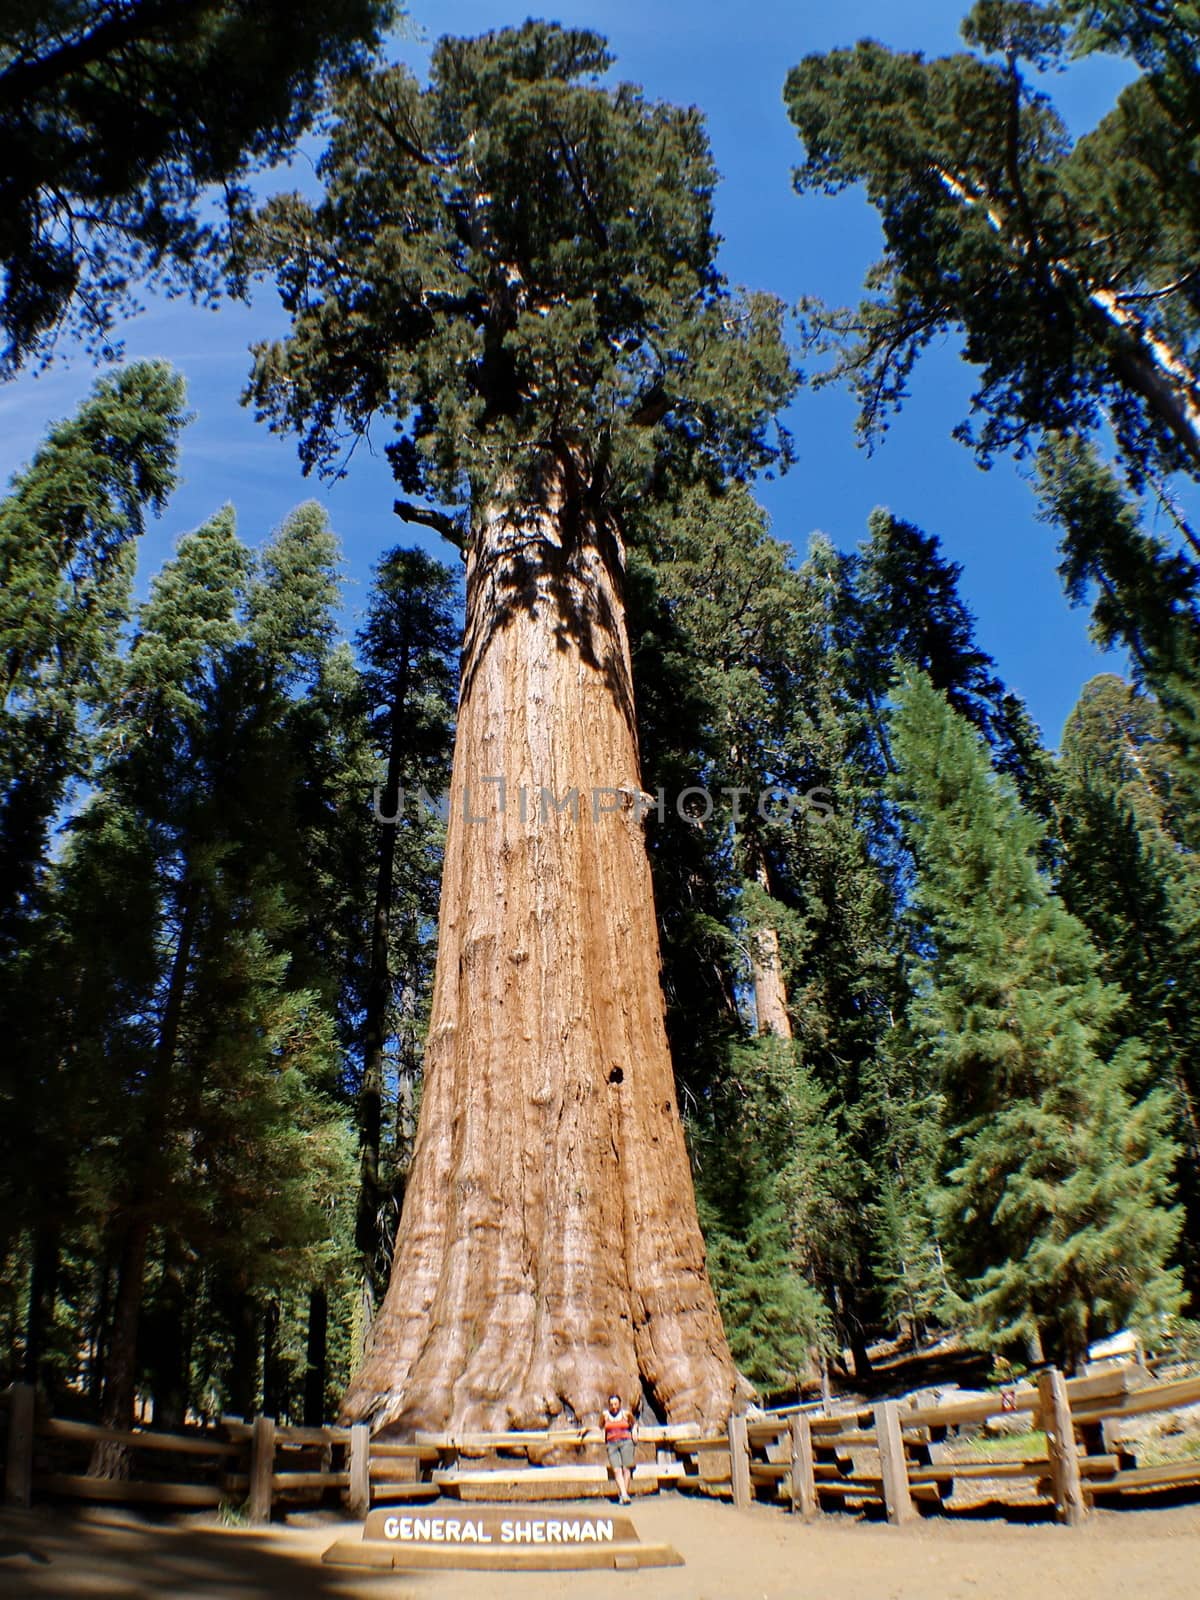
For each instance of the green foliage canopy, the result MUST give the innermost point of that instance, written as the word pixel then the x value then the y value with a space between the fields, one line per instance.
pixel 513 263
pixel 1056 1200
pixel 1070 268
pixel 117 115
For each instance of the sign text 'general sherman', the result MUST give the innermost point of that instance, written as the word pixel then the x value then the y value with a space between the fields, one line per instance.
pixel 408 1529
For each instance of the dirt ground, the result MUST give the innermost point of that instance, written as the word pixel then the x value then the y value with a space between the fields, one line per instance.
pixel 760 1554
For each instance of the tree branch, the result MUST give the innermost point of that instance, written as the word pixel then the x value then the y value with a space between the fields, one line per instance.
pixel 26 78
pixel 449 527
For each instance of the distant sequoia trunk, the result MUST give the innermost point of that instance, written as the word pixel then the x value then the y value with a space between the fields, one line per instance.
pixel 770 985
pixel 548 1252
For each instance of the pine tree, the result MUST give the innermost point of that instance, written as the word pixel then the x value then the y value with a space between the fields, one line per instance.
pixel 188 1019
pixel 1068 266
pixel 1128 876
pixel 68 532
pixel 1056 1203
pixel 118 127
pixel 1147 596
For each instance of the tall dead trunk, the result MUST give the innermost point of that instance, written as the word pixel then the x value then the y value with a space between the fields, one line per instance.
pixel 770 986
pixel 549 1251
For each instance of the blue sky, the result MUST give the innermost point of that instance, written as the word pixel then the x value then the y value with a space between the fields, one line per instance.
pixel 731 62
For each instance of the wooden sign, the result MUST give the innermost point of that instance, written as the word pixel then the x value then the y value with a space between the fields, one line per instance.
pixel 516 1538
pixel 494 1526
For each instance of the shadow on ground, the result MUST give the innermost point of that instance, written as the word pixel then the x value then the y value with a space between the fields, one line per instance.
pixel 48 1554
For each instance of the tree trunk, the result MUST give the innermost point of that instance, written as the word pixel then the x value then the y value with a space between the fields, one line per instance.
pixel 167 1339
pixel 316 1357
pixel 120 1373
pixel 770 986
pixel 109 1459
pixel 549 1251
pixel 98 1336
pixel 379 993
pixel 43 1293
pixel 770 990
pixel 272 1389
pixel 241 1384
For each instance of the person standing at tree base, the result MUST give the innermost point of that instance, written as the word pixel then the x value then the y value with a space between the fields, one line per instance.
pixel 619 1440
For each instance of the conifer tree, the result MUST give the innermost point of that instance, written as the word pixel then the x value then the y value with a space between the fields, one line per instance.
pixel 1130 878
pixel 1055 1209
pixel 1067 265
pixel 68 531
pixel 408 646
pixel 516 268
pixel 731 637
pixel 764 1188
pixel 187 1020
pixel 120 124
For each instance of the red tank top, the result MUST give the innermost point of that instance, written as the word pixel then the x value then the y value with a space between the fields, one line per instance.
pixel 616 1428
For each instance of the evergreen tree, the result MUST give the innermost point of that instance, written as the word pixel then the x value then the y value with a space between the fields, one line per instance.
pixel 1147 596
pixel 762 1197
pixel 219 1063
pixel 68 531
pixel 1055 1208
pixel 409 646
pixel 525 287
pixel 1068 266
pixel 119 122
pixel 1128 876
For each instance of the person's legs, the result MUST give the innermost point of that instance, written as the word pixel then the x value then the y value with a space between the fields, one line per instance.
pixel 624 1470
pixel 618 1470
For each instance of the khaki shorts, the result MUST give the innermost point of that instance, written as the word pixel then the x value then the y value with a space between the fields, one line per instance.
pixel 620 1453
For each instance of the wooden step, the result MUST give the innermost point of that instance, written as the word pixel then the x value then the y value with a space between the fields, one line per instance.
pixel 549 1483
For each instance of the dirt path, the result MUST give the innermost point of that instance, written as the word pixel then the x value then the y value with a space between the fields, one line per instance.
pixel 760 1554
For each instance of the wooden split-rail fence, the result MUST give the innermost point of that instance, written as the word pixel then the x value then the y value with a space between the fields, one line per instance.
pixel 895 1456
pixel 892 1458
pixel 260 1465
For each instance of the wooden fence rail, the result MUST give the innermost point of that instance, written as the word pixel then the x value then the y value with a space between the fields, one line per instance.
pixel 261 1464
pixel 810 1460
pixel 257 1462
pixel 891 1457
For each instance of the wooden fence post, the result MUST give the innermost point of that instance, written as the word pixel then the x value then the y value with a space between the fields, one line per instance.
pixel 359 1496
pixel 18 1469
pixel 804 1478
pixel 262 1468
pixel 739 1462
pixel 897 1497
pixel 1055 1408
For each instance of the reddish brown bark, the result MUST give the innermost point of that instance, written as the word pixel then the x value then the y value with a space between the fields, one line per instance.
pixel 766 965
pixel 548 1251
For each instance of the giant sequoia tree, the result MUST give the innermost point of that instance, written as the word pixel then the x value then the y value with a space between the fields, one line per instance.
pixel 515 268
